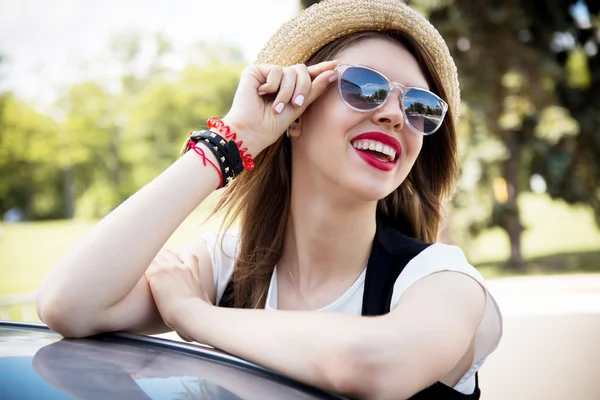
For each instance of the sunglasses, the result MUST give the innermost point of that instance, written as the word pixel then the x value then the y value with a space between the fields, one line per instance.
pixel 365 89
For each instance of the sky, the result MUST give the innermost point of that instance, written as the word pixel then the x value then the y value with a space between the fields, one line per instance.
pixel 48 45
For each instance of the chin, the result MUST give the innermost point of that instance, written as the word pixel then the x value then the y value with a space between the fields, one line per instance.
pixel 372 190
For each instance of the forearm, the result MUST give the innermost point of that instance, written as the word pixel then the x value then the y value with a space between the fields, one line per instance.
pixel 319 349
pixel 124 243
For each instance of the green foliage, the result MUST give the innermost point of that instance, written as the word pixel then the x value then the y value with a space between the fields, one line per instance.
pixel 29 169
pixel 527 81
pixel 167 111
pixel 108 144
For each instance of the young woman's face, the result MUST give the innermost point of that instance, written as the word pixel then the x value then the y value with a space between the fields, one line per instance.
pixel 329 131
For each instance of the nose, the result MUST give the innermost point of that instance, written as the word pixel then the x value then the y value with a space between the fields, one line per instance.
pixel 391 113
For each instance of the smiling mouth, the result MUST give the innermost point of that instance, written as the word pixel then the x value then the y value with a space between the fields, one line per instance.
pixel 378 150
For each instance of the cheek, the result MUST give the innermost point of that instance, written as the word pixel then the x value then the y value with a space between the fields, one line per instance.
pixel 414 144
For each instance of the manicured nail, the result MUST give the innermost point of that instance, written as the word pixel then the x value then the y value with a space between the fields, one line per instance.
pixel 299 100
pixel 333 78
pixel 261 93
pixel 279 108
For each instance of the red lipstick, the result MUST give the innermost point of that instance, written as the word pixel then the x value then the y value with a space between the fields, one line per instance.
pixel 383 139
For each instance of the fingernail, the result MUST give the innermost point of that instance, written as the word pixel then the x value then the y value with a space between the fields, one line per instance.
pixel 299 100
pixel 279 108
pixel 333 78
pixel 261 93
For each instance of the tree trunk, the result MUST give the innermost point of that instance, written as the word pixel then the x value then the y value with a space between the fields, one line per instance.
pixel 69 192
pixel 513 225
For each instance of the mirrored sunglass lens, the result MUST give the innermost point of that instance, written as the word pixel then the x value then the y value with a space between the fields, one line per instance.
pixel 423 110
pixel 362 88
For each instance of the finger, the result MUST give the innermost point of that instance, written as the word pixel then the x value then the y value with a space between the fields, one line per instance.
pixel 318 69
pixel 206 298
pixel 274 74
pixel 190 260
pixel 303 84
pixel 167 257
pixel 319 85
pixel 286 89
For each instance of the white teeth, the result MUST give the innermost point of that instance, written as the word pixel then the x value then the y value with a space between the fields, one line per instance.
pixel 387 150
pixel 375 146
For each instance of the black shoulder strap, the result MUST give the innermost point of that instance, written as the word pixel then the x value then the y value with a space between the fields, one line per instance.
pixel 227 300
pixel 442 392
pixel 391 252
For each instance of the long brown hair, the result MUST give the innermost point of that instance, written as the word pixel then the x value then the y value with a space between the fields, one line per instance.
pixel 261 199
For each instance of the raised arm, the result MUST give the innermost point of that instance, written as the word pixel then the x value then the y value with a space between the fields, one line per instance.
pixel 99 285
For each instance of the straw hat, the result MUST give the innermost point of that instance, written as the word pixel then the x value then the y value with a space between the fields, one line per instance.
pixel 300 38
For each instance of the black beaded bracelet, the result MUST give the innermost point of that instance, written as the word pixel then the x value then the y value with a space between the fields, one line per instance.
pixel 227 153
pixel 229 147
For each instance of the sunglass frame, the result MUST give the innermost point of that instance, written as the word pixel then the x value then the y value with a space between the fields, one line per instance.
pixel 341 68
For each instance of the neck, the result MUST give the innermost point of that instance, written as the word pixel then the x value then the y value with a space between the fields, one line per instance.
pixel 327 238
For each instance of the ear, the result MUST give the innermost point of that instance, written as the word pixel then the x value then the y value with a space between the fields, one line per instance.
pixel 295 129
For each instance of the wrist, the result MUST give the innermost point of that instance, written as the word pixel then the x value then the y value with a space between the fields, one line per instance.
pixel 204 157
pixel 191 310
pixel 244 134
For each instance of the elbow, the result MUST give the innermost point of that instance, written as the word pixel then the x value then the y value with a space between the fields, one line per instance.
pixel 61 318
pixel 364 372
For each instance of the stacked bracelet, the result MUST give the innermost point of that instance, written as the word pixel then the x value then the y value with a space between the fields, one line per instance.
pixel 218 125
pixel 226 152
pixel 232 158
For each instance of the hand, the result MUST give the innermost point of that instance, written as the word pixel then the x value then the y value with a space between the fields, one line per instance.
pixel 174 281
pixel 256 113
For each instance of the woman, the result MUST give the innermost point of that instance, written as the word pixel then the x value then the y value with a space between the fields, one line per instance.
pixel 353 158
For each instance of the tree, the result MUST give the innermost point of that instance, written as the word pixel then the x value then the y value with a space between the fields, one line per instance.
pixel 28 154
pixel 119 141
pixel 91 148
pixel 505 80
pixel 167 111
pixel 567 33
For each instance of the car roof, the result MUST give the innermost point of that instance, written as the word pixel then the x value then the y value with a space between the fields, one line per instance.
pixel 36 363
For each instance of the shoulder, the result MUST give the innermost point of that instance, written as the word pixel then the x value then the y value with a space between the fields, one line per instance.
pixel 450 277
pixel 432 259
pixel 223 241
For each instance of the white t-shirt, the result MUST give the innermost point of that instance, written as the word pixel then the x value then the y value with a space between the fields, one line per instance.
pixel 223 248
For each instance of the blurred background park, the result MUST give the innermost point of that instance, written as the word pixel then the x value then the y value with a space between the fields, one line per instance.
pixel 96 99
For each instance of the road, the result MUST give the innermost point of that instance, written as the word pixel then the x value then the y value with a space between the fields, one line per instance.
pixel 551 344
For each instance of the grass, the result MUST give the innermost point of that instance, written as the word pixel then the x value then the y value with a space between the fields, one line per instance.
pixel 28 250
pixel 558 239
pixel 554 264
pixel 550 227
